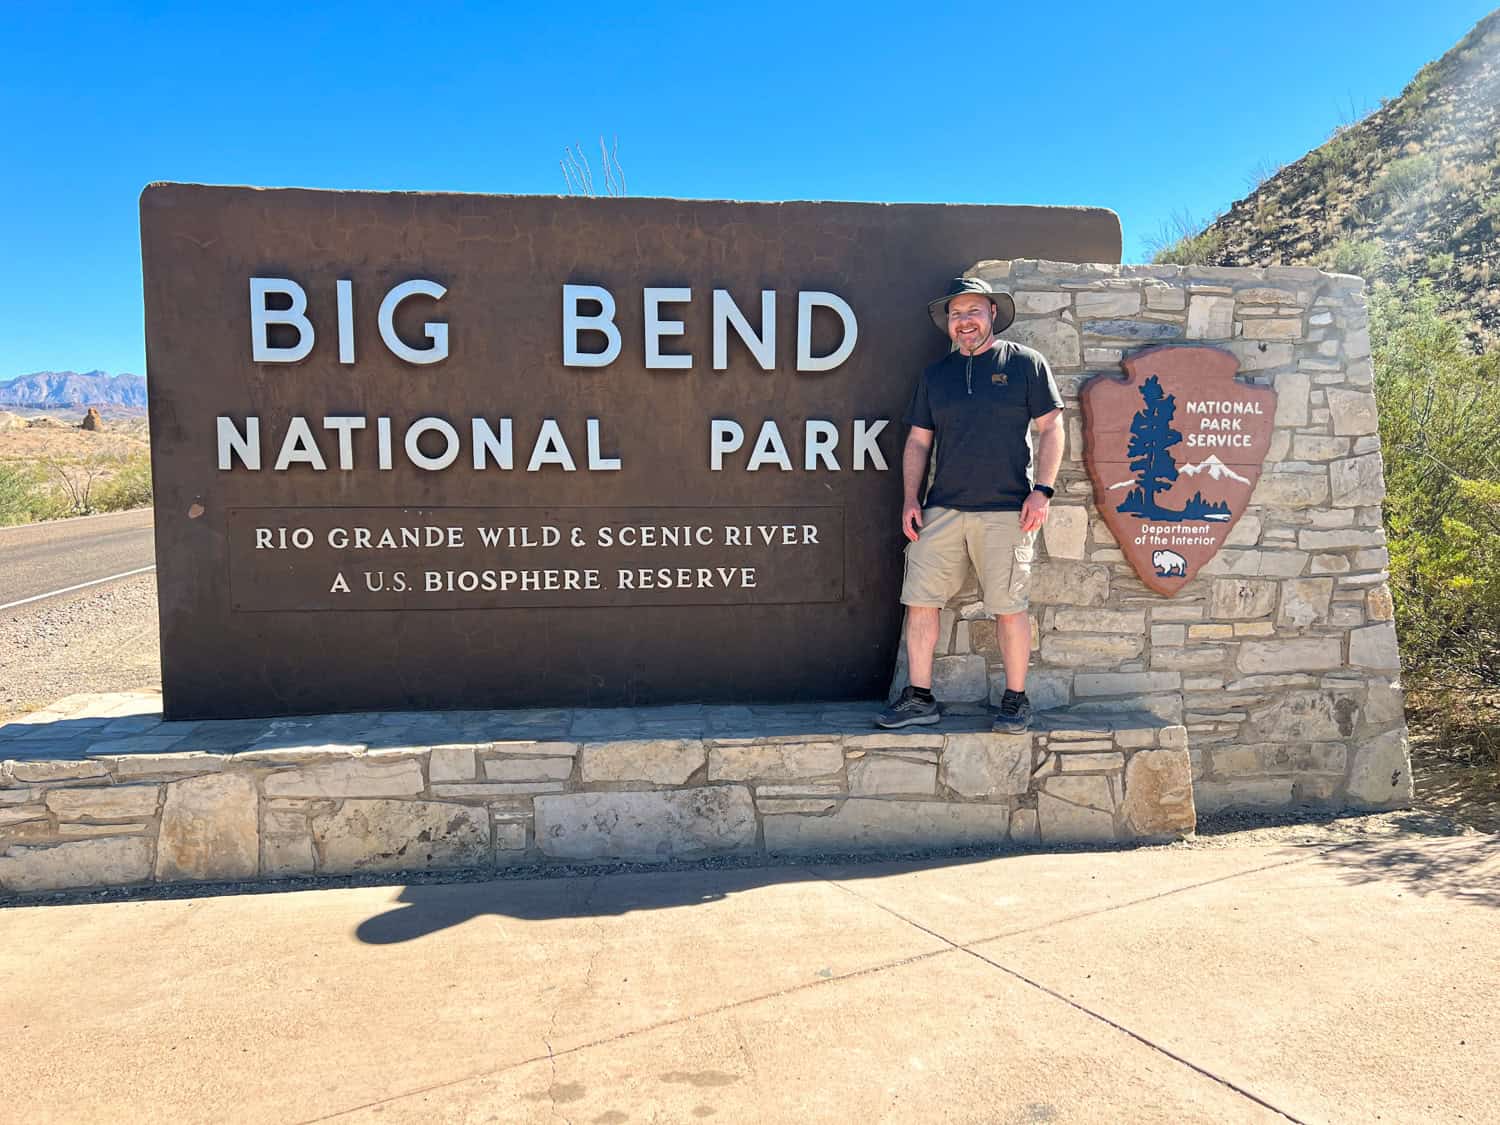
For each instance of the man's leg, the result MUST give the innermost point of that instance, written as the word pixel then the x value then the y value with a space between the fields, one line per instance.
pixel 1004 562
pixel 921 643
pixel 1014 631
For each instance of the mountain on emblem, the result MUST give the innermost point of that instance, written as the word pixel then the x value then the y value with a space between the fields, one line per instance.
pixel 1215 469
pixel 1184 441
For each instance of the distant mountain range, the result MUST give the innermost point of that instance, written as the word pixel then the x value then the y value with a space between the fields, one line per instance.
pixel 42 390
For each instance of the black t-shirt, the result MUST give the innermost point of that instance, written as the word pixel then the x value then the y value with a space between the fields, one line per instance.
pixel 981 412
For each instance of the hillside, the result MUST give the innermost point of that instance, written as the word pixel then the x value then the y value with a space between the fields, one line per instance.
pixel 1410 191
pixel 43 390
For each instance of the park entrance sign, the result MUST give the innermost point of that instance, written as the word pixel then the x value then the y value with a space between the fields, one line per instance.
pixel 448 451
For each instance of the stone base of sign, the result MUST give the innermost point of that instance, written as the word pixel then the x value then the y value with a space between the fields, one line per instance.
pixel 99 791
pixel 1279 653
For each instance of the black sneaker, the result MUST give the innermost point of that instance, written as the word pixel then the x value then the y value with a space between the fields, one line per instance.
pixel 908 711
pixel 1014 715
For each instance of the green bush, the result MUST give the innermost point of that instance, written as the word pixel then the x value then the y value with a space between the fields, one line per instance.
pixel 26 496
pixel 1439 264
pixel 1405 178
pixel 130 487
pixel 1185 242
pixel 1335 156
pixel 1361 257
pixel 1440 431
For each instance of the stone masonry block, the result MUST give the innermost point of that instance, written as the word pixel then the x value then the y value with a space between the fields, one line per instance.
pixel 650 827
pixel 1353 412
pixel 110 862
pixel 1310 654
pixel 1381 771
pixel 1374 646
pixel 119 802
pixel 1076 809
pixel 1159 794
pixel 1065 533
pixel 865 825
pixel 657 761
pixel 773 761
pixel 984 766
pixel 384 835
pixel 1242 598
pixel 960 679
pixel 210 829
pixel 451 763
pixel 884 775
pixel 1358 482
pixel 349 778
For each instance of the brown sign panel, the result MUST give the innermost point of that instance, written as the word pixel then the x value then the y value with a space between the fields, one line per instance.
pixel 421 451
pixel 1174 450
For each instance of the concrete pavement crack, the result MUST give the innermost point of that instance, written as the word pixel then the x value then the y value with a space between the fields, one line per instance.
pixel 949 947
pixel 691 1017
pixel 967 948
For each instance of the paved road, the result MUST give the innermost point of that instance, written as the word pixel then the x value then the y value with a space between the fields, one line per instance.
pixel 39 558
pixel 1185 984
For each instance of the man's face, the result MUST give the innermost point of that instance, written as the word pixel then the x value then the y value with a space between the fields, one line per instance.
pixel 970 320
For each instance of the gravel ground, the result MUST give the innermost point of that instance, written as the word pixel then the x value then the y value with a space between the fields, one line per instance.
pixel 100 639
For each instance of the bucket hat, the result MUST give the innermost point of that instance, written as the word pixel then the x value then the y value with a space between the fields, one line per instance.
pixel 1005 307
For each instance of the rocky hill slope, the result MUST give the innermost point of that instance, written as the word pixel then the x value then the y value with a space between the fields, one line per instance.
pixel 1410 191
pixel 43 390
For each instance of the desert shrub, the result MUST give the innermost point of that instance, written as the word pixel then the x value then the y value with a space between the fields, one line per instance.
pixel 1361 257
pixel 1414 97
pixel 1439 264
pixel 1440 431
pixel 26 496
pixel 130 487
pixel 1335 158
pixel 1184 242
pixel 1405 178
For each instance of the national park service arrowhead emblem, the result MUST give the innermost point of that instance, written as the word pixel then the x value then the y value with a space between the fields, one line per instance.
pixel 1174 450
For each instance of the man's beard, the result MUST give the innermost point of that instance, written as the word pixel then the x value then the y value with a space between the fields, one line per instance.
pixel 984 342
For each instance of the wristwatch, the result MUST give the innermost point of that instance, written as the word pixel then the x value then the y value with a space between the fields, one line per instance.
pixel 1046 490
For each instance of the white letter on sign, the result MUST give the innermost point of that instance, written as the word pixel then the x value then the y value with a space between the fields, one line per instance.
pixel 806 302
pixel 724 437
pixel 436 331
pixel 231 442
pixel 261 318
pixel 575 322
pixel 762 347
pixel 656 328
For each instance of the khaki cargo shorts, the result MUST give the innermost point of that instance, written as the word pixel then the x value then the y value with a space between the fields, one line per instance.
pixel 938 562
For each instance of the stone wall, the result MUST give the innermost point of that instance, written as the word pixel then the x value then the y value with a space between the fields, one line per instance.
pixel 1280 657
pixel 102 800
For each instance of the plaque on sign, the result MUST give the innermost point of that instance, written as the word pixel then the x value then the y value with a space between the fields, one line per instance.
pixel 1174 450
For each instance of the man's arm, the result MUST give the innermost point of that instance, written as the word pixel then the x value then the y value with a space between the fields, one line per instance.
pixel 1050 438
pixel 913 473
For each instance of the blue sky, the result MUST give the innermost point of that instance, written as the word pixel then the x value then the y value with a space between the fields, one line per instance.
pixel 1149 110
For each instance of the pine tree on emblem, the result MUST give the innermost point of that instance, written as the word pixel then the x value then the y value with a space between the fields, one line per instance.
pixel 1151 436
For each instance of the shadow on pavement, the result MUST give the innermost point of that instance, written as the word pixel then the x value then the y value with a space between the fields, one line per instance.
pixel 1464 868
pixel 427 908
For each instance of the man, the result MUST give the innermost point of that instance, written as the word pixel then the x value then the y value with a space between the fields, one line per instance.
pixel 989 494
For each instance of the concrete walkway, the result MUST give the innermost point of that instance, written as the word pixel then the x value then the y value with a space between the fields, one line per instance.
pixel 1239 983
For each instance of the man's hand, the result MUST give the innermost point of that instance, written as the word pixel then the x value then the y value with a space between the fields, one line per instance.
pixel 1034 511
pixel 911 520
